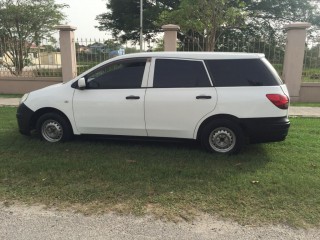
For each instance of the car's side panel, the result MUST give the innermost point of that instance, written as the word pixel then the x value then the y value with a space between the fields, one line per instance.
pixel 245 103
pixel 248 102
pixel 58 96
pixel 108 111
pixel 175 112
pixel 112 111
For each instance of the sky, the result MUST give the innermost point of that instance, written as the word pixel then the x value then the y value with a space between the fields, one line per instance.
pixel 81 14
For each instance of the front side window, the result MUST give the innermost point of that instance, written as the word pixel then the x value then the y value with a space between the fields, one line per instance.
pixel 119 75
pixel 171 73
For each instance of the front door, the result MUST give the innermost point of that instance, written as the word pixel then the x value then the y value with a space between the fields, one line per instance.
pixel 113 101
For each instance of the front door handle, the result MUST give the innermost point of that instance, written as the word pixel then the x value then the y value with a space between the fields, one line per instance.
pixel 203 97
pixel 132 97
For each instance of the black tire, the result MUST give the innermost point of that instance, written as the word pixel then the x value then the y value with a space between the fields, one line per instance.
pixel 222 136
pixel 53 127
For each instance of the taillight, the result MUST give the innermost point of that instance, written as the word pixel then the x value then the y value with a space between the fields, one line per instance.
pixel 279 100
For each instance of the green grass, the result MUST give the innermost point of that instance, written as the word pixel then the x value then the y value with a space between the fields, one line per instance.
pixel 305 104
pixel 2 95
pixel 273 183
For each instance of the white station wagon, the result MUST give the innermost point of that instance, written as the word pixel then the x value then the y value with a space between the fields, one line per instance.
pixel 222 99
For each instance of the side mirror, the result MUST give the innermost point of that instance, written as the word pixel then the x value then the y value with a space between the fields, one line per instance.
pixel 82 83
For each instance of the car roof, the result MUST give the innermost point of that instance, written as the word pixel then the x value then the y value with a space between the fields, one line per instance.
pixel 194 55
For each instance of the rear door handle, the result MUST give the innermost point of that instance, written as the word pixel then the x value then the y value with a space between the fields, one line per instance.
pixel 132 97
pixel 203 97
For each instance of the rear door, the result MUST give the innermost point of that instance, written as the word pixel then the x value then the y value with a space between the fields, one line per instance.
pixel 179 95
pixel 113 101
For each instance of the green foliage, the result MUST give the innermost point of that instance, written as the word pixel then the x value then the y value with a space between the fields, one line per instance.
pixel 112 44
pixel 268 17
pixel 123 18
pixel 23 23
pixel 204 18
pixel 207 21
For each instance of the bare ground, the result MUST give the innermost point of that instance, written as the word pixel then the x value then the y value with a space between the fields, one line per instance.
pixel 36 222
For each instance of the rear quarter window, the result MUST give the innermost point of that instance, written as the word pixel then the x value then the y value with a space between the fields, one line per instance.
pixel 241 72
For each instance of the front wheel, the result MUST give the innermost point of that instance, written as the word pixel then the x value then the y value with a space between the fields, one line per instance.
pixel 222 136
pixel 53 127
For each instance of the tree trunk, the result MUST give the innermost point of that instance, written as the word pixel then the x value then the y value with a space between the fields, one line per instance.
pixel 211 42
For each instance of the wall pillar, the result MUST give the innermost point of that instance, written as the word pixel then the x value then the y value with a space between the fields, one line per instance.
pixel 293 59
pixel 170 37
pixel 68 52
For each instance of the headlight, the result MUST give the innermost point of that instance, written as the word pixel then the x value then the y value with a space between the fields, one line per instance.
pixel 24 98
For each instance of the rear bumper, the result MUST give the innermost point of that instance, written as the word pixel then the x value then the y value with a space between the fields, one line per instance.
pixel 24 116
pixel 260 130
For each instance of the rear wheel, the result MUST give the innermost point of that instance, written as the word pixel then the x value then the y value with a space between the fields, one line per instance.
pixel 53 127
pixel 222 136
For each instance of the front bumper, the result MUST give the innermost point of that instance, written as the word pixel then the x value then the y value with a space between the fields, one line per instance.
pixel 24 118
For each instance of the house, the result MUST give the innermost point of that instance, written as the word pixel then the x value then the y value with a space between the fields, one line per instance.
pixel 97 48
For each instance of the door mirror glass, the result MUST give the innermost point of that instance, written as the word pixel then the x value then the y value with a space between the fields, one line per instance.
pixel 82 83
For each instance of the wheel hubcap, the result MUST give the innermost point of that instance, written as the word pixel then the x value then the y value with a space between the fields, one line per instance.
pixel 222 140
pixel 52 131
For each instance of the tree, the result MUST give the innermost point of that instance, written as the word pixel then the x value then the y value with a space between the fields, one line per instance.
pixel 24 23
pixel 205 18
pixel 123 18
pixel 205 21
pixel 268 17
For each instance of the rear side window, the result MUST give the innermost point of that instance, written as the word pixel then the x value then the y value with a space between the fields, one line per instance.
pixel 171 73
pixel 241 72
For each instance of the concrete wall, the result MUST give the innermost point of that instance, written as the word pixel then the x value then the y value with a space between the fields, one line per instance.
pixel 170 37
pixel 293 58
pixel 23 85
pixel 309 92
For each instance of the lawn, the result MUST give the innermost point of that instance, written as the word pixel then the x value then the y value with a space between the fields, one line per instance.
pixel 305 104
pixel 273 183
pixel 2 95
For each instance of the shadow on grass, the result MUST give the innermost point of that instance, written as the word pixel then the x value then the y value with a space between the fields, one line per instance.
pixel 251 158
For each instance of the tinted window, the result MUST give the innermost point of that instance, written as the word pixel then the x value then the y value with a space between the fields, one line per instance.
pixel 124 74
pixel 240 72
pixel 180 74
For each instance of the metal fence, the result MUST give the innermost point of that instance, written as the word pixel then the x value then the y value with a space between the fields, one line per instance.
pixel 311 66
pixel 274 51
pixel 44 60
pixel 90 52
pixel 25 59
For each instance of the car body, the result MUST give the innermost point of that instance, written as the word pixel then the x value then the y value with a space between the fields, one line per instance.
pixel 223 99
